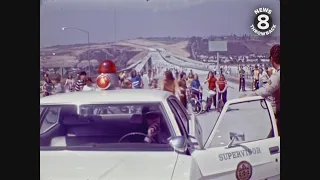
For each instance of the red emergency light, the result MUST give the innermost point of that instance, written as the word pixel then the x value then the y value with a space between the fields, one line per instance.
pixel 103 81
pixel 106 68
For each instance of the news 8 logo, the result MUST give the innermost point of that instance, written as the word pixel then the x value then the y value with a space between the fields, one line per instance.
pixel 262 23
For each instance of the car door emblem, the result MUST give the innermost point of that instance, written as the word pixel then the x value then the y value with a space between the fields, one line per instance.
pixel 244 171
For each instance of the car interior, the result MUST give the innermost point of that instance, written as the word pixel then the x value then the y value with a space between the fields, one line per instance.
pixel 73 129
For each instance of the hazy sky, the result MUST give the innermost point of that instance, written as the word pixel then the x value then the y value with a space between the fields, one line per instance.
pixel 139 18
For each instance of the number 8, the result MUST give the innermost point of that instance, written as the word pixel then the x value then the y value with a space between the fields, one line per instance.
pixel 263 20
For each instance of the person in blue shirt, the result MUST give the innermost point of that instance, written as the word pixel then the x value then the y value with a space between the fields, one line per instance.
pixel 136 80
pixel 196 87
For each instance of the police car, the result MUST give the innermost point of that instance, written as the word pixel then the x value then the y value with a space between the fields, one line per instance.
pixel 111 134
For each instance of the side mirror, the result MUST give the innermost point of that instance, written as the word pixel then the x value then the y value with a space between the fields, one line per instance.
pixel 235 137
pixel 179 143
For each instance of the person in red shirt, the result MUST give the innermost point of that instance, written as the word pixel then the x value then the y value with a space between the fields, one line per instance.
pixel 222 86
pixel 211 80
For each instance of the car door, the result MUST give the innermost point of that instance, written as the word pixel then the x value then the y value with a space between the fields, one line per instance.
pixel 254 153
pixel 190 122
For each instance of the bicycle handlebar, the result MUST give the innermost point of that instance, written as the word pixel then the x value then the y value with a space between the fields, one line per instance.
pixel 199 90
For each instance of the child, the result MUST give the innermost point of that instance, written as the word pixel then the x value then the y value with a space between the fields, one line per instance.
pixel 154 84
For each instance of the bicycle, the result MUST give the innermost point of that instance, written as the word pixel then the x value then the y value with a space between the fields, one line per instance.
pixel 196 104
pixel 209 101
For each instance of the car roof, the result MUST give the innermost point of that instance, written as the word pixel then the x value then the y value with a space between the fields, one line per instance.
pixel 107 96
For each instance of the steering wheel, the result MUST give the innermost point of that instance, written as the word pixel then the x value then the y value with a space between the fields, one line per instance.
pixel 135 134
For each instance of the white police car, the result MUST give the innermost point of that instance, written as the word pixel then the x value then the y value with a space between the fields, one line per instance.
pixel 101 135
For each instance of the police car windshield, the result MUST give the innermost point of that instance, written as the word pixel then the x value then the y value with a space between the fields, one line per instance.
pixel 74 125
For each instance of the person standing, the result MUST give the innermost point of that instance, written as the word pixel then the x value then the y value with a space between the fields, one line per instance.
pixel 154 84
pixel 136 80
pixel 182 83
pixel 222 86
pixel 242 82
pixel 81 81
pixel 256 74
pixel 122 76
pixel 272 87
pixel 47 86
pixel 264 76
pixel 69 85
pixel 196 88
pixel 169 84
pixel 211 80
pixel 89 85
pixel 58 87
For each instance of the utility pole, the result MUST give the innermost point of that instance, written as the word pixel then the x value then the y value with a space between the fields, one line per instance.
pixel 115 24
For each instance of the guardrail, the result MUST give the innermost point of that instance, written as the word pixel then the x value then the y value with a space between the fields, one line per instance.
pixel 192 66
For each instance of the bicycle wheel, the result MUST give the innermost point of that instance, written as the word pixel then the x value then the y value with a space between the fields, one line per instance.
pixel 203 105
pixel 196 106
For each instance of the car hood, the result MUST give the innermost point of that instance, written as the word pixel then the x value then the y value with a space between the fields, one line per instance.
pixel 98 165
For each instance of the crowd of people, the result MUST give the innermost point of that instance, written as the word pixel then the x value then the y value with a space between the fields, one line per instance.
pixel 55 86
pixel 259 73
pixel 180 84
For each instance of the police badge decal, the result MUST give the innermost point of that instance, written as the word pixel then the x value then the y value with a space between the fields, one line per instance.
pixel 244 171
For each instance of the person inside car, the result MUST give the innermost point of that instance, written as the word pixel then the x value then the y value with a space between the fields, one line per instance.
pixel 152 119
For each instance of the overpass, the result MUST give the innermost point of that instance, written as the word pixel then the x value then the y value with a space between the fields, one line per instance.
pixel 163 57
pixel 160 56
pixel 144 64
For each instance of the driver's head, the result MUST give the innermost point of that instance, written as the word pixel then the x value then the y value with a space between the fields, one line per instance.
pixel 151 117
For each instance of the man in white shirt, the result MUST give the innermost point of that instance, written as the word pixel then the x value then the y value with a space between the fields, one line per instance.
pixel 89 85
pixel 264 76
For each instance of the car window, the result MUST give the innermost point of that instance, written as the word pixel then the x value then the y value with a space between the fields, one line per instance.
pixel 41 109
pixel 181 113
pixel 249 118
pixel 104 124
pixel 50 118
pixel 177 117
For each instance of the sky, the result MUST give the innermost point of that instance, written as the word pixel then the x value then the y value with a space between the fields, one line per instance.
pixel 110 20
